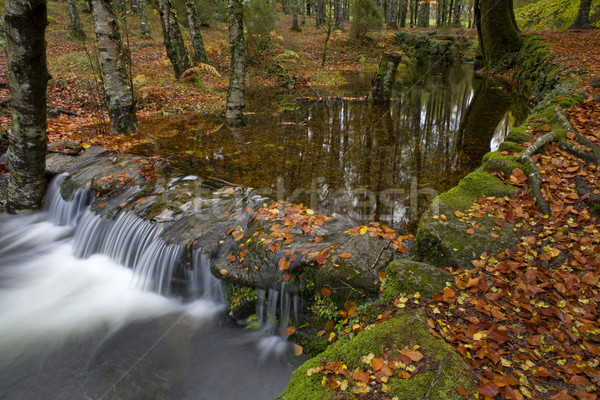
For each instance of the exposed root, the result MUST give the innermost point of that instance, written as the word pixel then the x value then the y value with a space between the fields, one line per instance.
pixel 538 144
pixel 579 152
pixel 565 124
pixel 438 375
pixel 534 178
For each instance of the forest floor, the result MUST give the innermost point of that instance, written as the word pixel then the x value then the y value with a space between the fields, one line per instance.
pixel 527 320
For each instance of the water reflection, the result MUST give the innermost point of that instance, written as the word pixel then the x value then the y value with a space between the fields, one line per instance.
pixel 347 157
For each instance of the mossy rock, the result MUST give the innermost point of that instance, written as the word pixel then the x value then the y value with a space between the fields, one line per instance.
pixel 510 147
pixel 406 330
pixel 518 135
pixel 499 163
pixel 470 188
pixel 355 277
pixel 409 277
pixel 445 241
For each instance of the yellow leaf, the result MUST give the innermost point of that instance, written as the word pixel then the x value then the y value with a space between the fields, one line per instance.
pixel 479 335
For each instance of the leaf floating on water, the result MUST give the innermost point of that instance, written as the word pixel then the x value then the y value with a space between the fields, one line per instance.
pixel 345 255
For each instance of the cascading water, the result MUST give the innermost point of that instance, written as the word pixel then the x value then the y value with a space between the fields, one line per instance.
pixel 76 323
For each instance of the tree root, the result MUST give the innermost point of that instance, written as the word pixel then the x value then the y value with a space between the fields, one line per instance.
pixel 584 190
pixel 565 124
pixel 438 375
pixel 579 152
pixel 538 144
pixel 534 179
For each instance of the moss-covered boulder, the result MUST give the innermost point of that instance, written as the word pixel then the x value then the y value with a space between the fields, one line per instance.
pixel 445 239
pixel 440 372
pixel 518 135
pixel 495 162
pixel 409 277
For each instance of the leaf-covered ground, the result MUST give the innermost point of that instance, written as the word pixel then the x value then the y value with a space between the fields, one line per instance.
pixel 528 319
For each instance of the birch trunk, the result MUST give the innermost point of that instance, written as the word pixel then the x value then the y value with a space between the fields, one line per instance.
pixel 234 113
pixel 118 88
pixel 197 42
pixel 176 50
pixel 76 29
pixel 144 26
pixel 26 22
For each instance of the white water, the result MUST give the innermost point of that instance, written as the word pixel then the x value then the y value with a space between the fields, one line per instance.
pixel 75 324
pixel 52 296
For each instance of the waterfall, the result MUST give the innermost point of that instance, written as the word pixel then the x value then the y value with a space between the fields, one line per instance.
pixel 201 282
pixel 133 242
pixel 60 211
pixel 269 303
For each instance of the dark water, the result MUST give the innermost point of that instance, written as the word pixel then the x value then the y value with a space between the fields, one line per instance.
pixel 346 156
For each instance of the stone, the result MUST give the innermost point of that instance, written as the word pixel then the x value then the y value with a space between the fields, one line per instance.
pixel 410 277
pixel 405 330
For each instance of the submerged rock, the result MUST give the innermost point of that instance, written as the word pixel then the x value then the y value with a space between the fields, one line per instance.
pixel 438 374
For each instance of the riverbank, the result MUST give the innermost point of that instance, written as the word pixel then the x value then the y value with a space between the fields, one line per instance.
pixel 522 309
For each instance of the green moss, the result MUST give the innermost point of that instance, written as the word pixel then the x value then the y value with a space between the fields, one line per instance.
pixel 406 329
pixel 509 146
pixel 409 277
pixel 471 187
pixel 565 102
pixel 518 135
pixel 496 162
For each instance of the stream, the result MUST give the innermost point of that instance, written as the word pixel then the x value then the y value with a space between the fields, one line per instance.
pixel 76 323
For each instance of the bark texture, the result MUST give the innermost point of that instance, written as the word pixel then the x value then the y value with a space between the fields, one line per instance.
pixel 386 76
pixel 234 113
pixel 194 26
pixel 26 22
pixel 176 50
pixel 496 29
pixel 120 100
pixel 339 15
pixel 582 21
pixel 144 26
pixel 76 29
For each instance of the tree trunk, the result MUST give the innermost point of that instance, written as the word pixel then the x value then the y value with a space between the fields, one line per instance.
pixel 339 15
pixel 26 22
pixel 87 6
pixel 392 15
pixel 457 13
pixel 403 12
pixel 194 26
pixel 234 113
pixel 76 29
pixel 582 21
pixel 320 11
pixel 386 76
pixel 176 50
pixel 118 88
pixel 303 7
pixel 496 31
pixel 295 9
pixel 144 26
pixel 423 15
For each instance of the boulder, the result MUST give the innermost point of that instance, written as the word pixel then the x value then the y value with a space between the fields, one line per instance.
pixel 438 374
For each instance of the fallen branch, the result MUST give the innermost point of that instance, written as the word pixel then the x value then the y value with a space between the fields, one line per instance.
pixel 438 375
pixel 49 107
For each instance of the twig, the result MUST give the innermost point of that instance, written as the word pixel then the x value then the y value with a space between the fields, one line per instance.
pixel 438 375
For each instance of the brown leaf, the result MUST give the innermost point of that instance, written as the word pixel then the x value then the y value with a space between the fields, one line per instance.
pixel 413 355
pixel 488 389
pixel 325 292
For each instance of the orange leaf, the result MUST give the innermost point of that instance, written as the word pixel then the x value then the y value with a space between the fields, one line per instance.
pixel 325 292
pixel 290 330
pixel 413 355
pixel 346 255
pixel 284 264
pixel 376 364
